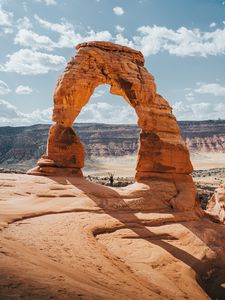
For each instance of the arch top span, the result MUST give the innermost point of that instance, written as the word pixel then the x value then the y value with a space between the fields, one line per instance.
pixel 107 46
pixel 99 63
pixel 162 152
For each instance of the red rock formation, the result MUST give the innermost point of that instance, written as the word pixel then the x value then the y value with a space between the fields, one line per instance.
pixel 162 153
pixel 216 205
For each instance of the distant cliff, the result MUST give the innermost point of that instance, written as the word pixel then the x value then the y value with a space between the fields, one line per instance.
pixel 204 136
pixel 22 146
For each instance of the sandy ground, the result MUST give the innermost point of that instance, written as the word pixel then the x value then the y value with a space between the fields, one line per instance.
pixel 64 238
pixel 209 160
pixel 125 165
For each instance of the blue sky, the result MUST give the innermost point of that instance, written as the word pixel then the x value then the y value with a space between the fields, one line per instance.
pixel 183 42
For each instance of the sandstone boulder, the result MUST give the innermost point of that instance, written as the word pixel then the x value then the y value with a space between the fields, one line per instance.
pixel 216 204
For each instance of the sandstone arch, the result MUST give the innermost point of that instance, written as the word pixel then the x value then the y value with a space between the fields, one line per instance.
pixel 162 154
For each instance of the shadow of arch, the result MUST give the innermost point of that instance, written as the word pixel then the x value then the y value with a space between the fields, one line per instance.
pixel 209 272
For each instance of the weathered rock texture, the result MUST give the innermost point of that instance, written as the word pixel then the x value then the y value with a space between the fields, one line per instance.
pixel 216 205
pixel 162 156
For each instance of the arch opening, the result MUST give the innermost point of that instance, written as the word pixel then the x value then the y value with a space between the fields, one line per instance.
pixel 110 147
pixel 107 108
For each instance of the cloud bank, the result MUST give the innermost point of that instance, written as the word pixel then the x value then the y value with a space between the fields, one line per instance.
pixel 28 62
pixel 11 116
pixel 94 112
pixel 32 58
pixel 214 89
pixel 199 111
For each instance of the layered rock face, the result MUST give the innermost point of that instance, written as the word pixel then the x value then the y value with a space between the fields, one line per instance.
pixel 162 155
pixel 204 136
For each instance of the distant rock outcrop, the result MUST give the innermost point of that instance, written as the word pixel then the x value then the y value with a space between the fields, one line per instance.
pixel 216 205
pixel 204 136
pixel 162 155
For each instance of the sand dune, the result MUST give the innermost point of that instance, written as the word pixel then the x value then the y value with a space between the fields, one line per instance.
pixel 66 238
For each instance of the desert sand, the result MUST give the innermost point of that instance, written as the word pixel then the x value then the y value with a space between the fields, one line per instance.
pixel 67 238
pixel 125 165
pixel 119 166
pixel 207 160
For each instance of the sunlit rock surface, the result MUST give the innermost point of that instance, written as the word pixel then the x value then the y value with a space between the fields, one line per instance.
pixel 68 238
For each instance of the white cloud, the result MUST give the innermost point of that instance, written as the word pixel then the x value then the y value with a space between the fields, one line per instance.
pixel 5 17
pixel 213 24
pixel 28 62
pixel 7 30
pixel 7 110
pixel 150 40
pixel 119 28
pixel 210 88
pixel 181 42
pixel 99 93
pixel 24 23
pixel 4 89
pixel 198 111
pixel 120 39
pixel 27 38
pixel 11 116
pixel 118 11
pixel 23 90
pixel 68 37
pixel 94 112
pixel 103 112
pixel 47 2
pixel 190 96
pixel 97 36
